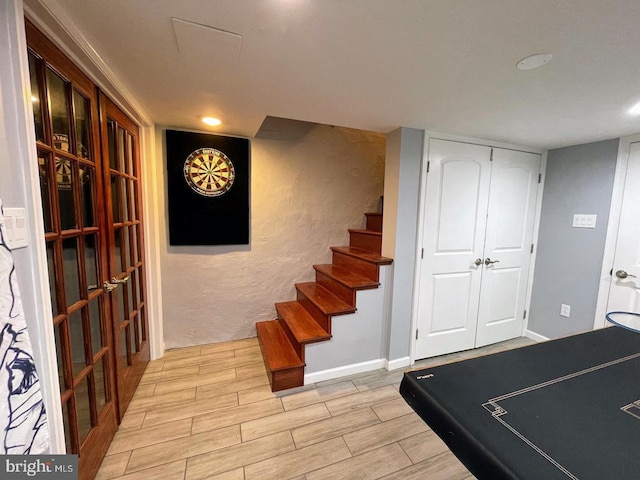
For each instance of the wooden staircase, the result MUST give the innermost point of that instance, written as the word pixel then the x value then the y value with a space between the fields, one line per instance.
pixel 308 318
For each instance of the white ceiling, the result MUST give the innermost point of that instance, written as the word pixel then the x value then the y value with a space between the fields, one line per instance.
pixel 441 65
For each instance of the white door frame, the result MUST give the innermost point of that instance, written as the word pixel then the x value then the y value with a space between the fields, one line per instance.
pixel 429 135
pixel 608 256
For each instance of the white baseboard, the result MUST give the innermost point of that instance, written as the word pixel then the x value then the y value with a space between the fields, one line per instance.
pixel 397 363
pixel 535 336
pixel 338 372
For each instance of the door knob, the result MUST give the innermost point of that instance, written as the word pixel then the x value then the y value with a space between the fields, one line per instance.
pixel 478 262
pixel 117 281
pixel 107 287
pixel 623 274
pixel 488 261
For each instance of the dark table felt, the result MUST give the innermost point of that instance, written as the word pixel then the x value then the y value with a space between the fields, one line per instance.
pixel 564 403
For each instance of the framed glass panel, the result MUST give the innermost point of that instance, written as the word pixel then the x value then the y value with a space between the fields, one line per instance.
pixel 91 260
pixel 121 149
pixel 45 191
pixel 142 318
pixel 76 334
pixel 111 139
pixel 81 111
pixel 115 199
pixel 133 304
pixel 59 106
pixel 95 325
pixel 68 438
pixel 134 244
pixel 51 264
pixel 126 253
pixel 133 336
pixel 65 183
pixel 124 347
pixel 58 337
pixel 88 187
pixel 36 102
pixel 122 304
pixel 71 270
pixel 118 253
pixel 125 198
pixel 100 370
pixel 83 406
pixel 130 160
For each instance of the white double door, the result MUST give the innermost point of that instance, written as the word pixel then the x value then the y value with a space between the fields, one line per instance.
pixel 477 238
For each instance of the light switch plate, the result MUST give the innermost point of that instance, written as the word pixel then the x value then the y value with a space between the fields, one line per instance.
pixel 15 227
pixel 581 220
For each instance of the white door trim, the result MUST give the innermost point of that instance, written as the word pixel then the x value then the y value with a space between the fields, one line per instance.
pixel 622 161
pixel 429 135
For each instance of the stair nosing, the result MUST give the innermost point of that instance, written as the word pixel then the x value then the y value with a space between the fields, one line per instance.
pixel 361 256
pixel 365 232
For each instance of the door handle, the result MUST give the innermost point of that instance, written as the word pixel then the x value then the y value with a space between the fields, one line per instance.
pixel 478 262
pixel 117 281
pixel 622 274
pixel 106 286
pixel 488 261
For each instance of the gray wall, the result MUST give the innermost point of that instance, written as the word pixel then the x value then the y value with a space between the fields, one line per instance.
pixel 579 179
pixel 399 232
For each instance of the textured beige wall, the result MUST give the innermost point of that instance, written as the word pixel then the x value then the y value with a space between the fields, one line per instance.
pixel 305 194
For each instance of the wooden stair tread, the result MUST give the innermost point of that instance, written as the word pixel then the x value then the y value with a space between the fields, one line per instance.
pixel 346 277
pixel 322 298
pixel 362 231
pixel 365 255
pixel 301 323
pixel 278 351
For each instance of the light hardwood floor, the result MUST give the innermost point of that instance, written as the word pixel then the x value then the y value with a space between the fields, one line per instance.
pixel 207 412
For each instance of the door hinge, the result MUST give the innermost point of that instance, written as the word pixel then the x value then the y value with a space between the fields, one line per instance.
pixel 531 248
pixel 524 317
pixel 422 254
pixel 428 165
pixel 416 333
pixel 539 178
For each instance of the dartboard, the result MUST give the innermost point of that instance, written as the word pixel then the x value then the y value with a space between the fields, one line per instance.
pixel 209 172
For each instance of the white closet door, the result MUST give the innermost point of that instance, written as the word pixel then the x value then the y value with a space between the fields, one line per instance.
pixel 457 193
pixel 624 293
pixel 509 234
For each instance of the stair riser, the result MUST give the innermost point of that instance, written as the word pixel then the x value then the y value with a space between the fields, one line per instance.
pixel 372 243
pixel 285 379
pixel 361 267
pixel 374 222
pixel 341 291
pixel 320 317
pixel 292 339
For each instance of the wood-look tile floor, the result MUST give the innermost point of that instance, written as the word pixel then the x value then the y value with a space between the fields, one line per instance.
pixel 207 412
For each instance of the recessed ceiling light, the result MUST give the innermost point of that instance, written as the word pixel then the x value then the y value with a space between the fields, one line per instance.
pixel 212 121
pixel 534 61
pixel 635 110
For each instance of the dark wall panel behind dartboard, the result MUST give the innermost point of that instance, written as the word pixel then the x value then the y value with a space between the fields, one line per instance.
pixel 208 189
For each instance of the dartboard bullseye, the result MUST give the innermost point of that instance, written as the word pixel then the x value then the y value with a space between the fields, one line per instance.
pixel 209 172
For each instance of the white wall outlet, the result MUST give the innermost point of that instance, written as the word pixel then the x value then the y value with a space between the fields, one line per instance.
pixel 581 220
pixel 565 310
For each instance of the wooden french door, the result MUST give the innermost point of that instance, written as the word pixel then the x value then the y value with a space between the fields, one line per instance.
pixel 93 234
pixel 121 153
